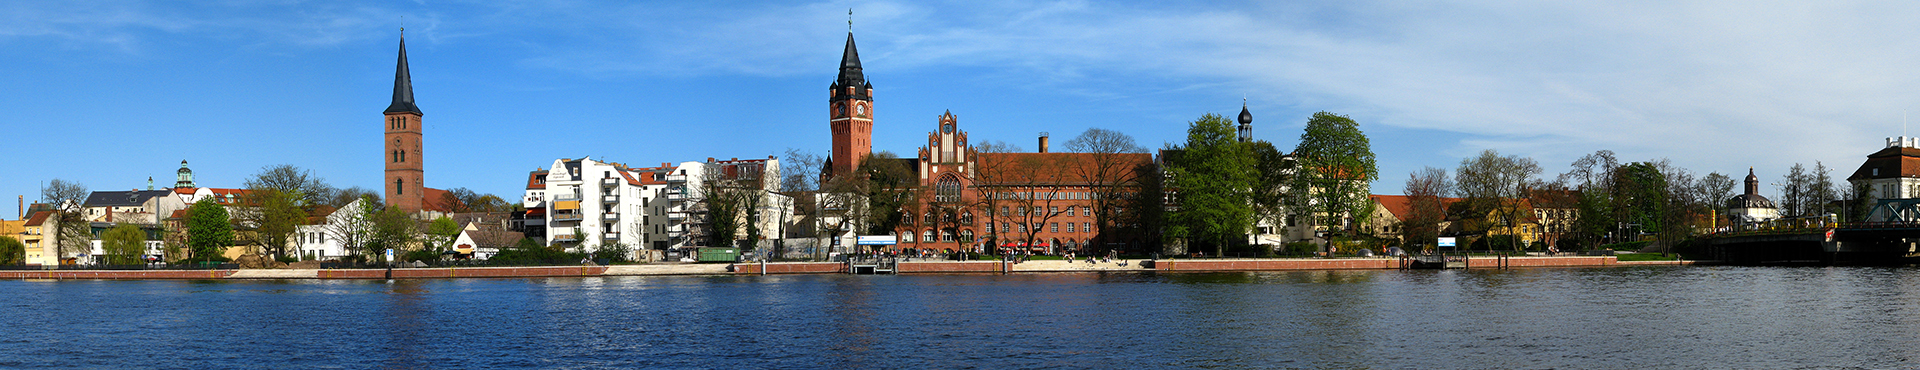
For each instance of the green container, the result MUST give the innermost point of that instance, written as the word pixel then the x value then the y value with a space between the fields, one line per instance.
pixel 719 254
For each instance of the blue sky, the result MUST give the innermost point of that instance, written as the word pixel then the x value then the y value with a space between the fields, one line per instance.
pixel 110 93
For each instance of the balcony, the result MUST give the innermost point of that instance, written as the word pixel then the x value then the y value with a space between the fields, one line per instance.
pixel 610 198
pixel 565 238
pixel 609 182
pixel 563 217
pixel 676 178
pixel 610 217
pixel 676 196
pixel 566 198
pixel 612 236
pixel 677 216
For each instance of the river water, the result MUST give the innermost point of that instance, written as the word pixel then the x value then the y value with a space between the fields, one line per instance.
pixel 1626 317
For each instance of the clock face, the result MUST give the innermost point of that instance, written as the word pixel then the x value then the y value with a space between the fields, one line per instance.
pixel 861 109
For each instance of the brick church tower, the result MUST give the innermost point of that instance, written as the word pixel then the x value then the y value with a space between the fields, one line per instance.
pixel 405 185
pixel 851 107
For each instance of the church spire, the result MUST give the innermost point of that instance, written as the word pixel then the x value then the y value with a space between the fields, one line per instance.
pixel 403 85
pixel 850 74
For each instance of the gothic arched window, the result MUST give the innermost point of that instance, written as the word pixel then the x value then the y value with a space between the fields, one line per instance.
pixel 399 186
pixel 947 189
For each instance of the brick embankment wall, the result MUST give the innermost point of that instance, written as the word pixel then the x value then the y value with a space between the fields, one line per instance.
pixel 1275 264
pixel 792 268
pixel 1571 261
pixel 435 273
pixel 943 267
pixel 111 274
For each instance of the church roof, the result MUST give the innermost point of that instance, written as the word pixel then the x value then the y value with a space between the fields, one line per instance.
pixel 403 86
pixel 1246 117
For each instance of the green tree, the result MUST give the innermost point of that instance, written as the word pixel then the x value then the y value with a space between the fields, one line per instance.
pixel 275 215
pixel 392 229
pixel 209 231
pixel 1335 168
pixel 123 244
pixel 1641 193
pixel 1214 184
pixel 12 251
pixel 441 233
pixel 279 199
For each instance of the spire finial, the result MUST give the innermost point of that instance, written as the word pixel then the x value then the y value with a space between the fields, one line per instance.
pixel 849 19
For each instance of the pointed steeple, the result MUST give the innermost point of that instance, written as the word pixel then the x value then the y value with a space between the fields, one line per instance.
pixel 403 85
pixel 850 74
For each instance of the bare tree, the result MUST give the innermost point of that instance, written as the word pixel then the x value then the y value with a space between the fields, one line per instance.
pixel 352 226
pixel 1497 183
pixel 1111 157
pixel 73 233
pixel 1425 191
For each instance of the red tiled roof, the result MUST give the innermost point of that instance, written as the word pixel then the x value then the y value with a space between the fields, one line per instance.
pixel 436 200
pixel 38 218
pixel 535 180
pixel 1401 205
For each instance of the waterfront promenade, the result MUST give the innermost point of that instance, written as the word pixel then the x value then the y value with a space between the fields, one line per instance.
pixel 788 268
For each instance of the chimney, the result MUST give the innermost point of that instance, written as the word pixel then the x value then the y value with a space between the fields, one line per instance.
pixel 1043 142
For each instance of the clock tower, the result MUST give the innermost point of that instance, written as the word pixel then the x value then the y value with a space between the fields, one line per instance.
pixel 850 108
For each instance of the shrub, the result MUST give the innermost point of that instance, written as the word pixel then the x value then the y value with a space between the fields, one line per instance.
pixel 1302 247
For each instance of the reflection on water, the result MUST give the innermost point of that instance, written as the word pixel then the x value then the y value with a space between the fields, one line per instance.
pixel 1523 318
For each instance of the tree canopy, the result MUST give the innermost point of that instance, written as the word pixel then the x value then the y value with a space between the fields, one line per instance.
pixel 209 231
pixel 1214 184
pixel 1335 170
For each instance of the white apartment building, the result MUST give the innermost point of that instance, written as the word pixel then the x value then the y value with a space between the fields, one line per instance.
pixel 585 204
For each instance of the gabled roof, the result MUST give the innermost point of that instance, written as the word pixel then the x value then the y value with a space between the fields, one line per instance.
pixel 39 218
pixel 403 85
pixel 122 198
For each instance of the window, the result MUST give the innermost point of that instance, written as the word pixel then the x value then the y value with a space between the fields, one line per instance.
pixel 1054 228
pixel 1086 227
pixel 908 237
pixel 1008 227
pixel 927 235
pixel 1086 211
pixel 989 227
pixel 399 186
pixel 966 236
pixel 946 236
pixel 1053 210
pixel 1003 210
pixel 947 189
pixel 1069 227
